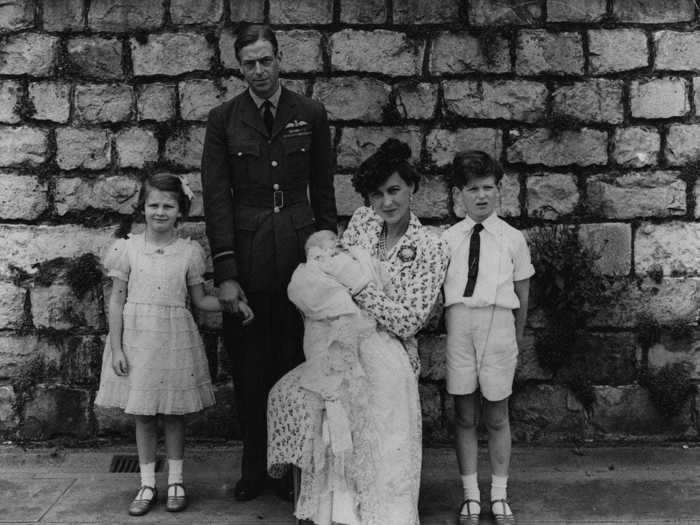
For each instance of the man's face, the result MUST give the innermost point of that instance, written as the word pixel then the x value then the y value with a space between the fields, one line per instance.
pixel 478 198
pixel 260 67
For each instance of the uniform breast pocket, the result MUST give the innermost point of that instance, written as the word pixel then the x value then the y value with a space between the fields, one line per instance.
pixel 244 156
pixel 297 149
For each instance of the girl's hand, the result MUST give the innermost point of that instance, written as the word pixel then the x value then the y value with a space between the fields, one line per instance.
pixel 119 363
pixel 246 313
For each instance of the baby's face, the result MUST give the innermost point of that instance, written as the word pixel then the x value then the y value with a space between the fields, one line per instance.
pixel 321 244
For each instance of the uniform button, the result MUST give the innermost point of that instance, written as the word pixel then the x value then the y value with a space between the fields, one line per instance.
pixel 240 153
pixel 274 163
pixel 275 187
pixel 277 209
pixel 303 150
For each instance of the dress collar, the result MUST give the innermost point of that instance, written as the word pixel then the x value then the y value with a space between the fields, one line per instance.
pixel 407 240
pixel 150 249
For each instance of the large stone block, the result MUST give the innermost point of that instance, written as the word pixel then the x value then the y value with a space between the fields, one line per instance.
pixel 501 99
pixel 356 144
pixel 583 11
pixel 654 11
pixel 9 419
pixel 103 102
pixel 66 15
pixel 677 348
pixel 346 198
pixel 669 301
pixel 247 10
pixel 301 51
pixel 184 147
pixel 301 12
pixel 80 358
pixel 628 409
pixel 659 98
pixel 432 199
pixel 442 144
pixel 51 100
pixel 614 50
pixel 96 57
pixel 202 12
pixel 125 15
pixel 636 146
pixel 673 246
pixel 117 193
pixel 504 12
pixel 16 351
pixel 16 15
pixel 682 144
pixel 57 307
pixel 197 98
pixel 31 54
pixel 353 98
pixel 529 367
pixel 596 100
pixel 227 51
pixel 542 52
pixel 377 51
pixel 611 358
pixel 676 50
pixel 416 100
pixel 585 147
pixel 363 12
pixel 55 410
pixel 171 54
pixel 551 195
pixel 136 147
pixel 82 148
pixel 545 411
pixel 156 101
pixel 11 305
pixel 421 12
pixel 455 53
pixel 636 194
pixel 24 246
pixel 10 94
pixel 22 196
pixel 22 144
pixel 611 244
pixel 509 205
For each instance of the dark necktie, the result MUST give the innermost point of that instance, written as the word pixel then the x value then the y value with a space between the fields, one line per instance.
pixel 268 117
pixel 474 249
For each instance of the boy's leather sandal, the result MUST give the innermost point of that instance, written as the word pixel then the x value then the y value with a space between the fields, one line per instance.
pixel 502 518
pixel 470 518
pixel 176 503
pixel 141 505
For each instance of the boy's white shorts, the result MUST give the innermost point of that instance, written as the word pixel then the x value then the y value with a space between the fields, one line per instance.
pixel 481 351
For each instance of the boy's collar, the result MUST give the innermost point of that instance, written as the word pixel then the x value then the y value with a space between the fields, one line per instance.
pixel 490 223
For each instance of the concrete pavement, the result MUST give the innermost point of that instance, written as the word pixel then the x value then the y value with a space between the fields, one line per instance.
pixel 548 485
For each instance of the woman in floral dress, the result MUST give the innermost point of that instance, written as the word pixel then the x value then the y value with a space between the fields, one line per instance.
pixel 380 477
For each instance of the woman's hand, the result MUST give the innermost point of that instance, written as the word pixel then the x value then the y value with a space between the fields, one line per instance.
pixel 346 270
pixel 119 363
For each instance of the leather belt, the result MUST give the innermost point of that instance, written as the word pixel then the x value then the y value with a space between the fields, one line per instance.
pixel 275 198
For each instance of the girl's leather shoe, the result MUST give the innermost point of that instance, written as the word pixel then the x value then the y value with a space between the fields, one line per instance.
pixel 141 503
pixel 465 516
pixel 502 518
pixel 178 502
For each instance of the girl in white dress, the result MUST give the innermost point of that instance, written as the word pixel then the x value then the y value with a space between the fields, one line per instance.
pixel 154 361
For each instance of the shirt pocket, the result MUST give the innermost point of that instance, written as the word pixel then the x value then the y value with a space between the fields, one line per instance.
pixel 297 149
pixel 245 156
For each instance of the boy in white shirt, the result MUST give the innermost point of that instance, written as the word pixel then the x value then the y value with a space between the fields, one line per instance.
pixel 486 297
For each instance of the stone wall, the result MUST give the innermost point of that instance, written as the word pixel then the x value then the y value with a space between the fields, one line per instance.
pixel 592 107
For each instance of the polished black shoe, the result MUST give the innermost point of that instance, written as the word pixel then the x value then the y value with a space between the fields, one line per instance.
pixel 247 489
pixel 284 488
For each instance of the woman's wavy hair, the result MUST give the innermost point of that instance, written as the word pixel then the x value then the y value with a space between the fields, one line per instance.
pixel 391 157
pixel 474 164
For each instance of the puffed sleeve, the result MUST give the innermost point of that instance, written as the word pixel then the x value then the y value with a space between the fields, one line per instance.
pixel 116 260
pixel 196 265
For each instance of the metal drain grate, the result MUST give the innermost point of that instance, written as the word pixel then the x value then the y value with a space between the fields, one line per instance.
pixel 124 463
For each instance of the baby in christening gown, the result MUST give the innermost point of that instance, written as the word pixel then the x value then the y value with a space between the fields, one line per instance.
pixel 334 329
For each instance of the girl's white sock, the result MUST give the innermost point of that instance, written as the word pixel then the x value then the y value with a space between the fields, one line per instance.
pixel 174 476
pixel 471 487
pixel 499 485
pixel 148 474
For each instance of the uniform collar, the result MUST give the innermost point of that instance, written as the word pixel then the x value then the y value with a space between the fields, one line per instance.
pixel 274 98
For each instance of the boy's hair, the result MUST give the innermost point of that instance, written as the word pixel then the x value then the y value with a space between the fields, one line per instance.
pixel 163 182
pixel 248 33
pixel 474 164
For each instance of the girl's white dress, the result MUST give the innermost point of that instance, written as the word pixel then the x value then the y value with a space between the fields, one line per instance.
pixel 168 369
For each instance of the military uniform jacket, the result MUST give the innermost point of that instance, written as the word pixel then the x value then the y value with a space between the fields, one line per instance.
pixel 265 194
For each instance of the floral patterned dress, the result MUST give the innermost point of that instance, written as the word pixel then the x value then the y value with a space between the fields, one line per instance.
pixel 382 475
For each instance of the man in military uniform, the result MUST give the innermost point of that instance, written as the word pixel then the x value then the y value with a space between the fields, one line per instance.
pixel 267 186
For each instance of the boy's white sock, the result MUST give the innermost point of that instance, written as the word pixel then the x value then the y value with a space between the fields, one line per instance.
pixel 471 487
pixel 174 476
pixel 499 485
pixel 148 474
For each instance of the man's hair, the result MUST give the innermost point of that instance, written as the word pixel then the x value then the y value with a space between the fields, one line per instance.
pixel 247 34
pixel 474 164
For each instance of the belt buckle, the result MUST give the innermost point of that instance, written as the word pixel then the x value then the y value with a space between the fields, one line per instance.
pixel 278 199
